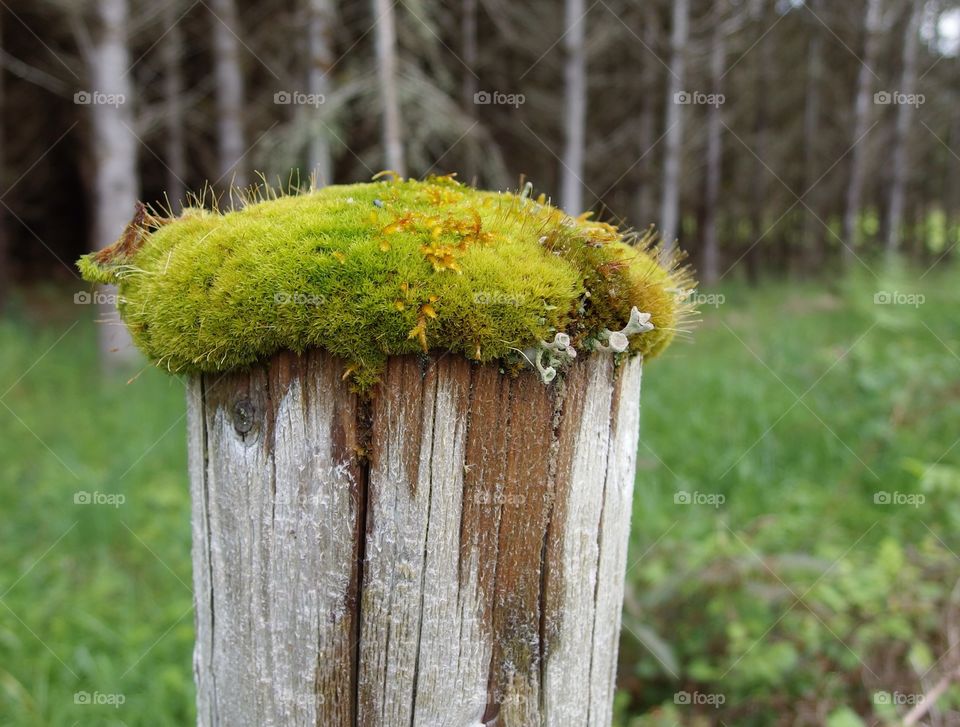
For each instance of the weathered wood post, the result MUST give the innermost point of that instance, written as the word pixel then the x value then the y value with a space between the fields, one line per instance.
pixel 445 546
pixel 472 568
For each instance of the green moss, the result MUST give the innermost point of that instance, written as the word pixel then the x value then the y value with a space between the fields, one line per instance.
pixel 372 270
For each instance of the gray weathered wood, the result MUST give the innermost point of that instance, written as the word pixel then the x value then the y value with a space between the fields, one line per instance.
pixel 450 553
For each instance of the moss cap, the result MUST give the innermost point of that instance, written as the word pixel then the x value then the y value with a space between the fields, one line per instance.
pixel 390 267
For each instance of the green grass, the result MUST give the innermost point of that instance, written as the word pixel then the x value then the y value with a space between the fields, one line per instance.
pixel 95 598
pixel 799 596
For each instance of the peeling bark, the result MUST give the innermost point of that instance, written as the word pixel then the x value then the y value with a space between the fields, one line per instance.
pixel 469 570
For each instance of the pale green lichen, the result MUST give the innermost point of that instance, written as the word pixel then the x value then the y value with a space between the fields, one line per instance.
pixel 395 266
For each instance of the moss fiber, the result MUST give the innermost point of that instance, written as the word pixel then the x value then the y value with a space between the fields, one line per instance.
pixel 390 267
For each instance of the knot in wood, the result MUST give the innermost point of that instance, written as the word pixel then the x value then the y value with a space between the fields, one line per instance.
pixel 243 416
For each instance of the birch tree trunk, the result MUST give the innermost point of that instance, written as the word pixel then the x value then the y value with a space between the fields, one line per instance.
pixel 231 144
pixel 673 142
pixel 320 36
pixel 469 49
pixel 812 235
pixel 116 187
pixel 711 235
pixel 952 184
pixel 908 86
pixel 469 82
pixel 176 149
pixel 574 106
pixel 468 570
pixel 646 121
pixel 861 126
pixel 386 42
pixel 760 185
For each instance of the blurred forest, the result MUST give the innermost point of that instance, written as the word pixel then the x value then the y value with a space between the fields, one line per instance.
pixel 768 135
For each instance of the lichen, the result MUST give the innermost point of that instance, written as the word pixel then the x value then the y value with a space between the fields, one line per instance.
pixel 390 267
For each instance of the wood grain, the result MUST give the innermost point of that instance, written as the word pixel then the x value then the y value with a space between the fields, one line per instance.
pixel 452 554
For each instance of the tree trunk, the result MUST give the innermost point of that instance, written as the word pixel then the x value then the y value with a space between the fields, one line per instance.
pixel 320 35
pixel 861 125
pixel 469 81
pixel 952 192
pixel 908 86
pixel 386 39
pixel 468 570
pixel 711 237
pixel 760 188
pixel 670 210
pixel 812 234
pixel 116 187
pixel 176 150
pixel 6 277
pixel 646 121
pixel 574 106
pixel 231 144
pixel 468 44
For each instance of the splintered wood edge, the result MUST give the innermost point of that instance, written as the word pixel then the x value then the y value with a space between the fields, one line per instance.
pixel 451 552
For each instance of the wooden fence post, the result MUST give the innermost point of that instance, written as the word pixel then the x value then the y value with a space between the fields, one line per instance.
pixel 449 553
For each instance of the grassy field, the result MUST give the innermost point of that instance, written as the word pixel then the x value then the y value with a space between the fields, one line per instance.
pixel 794 527
pixel 815 580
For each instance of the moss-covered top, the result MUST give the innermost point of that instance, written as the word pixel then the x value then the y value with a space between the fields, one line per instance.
pixel 391 267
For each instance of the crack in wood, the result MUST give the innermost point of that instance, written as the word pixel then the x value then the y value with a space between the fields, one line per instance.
pixel 450 554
